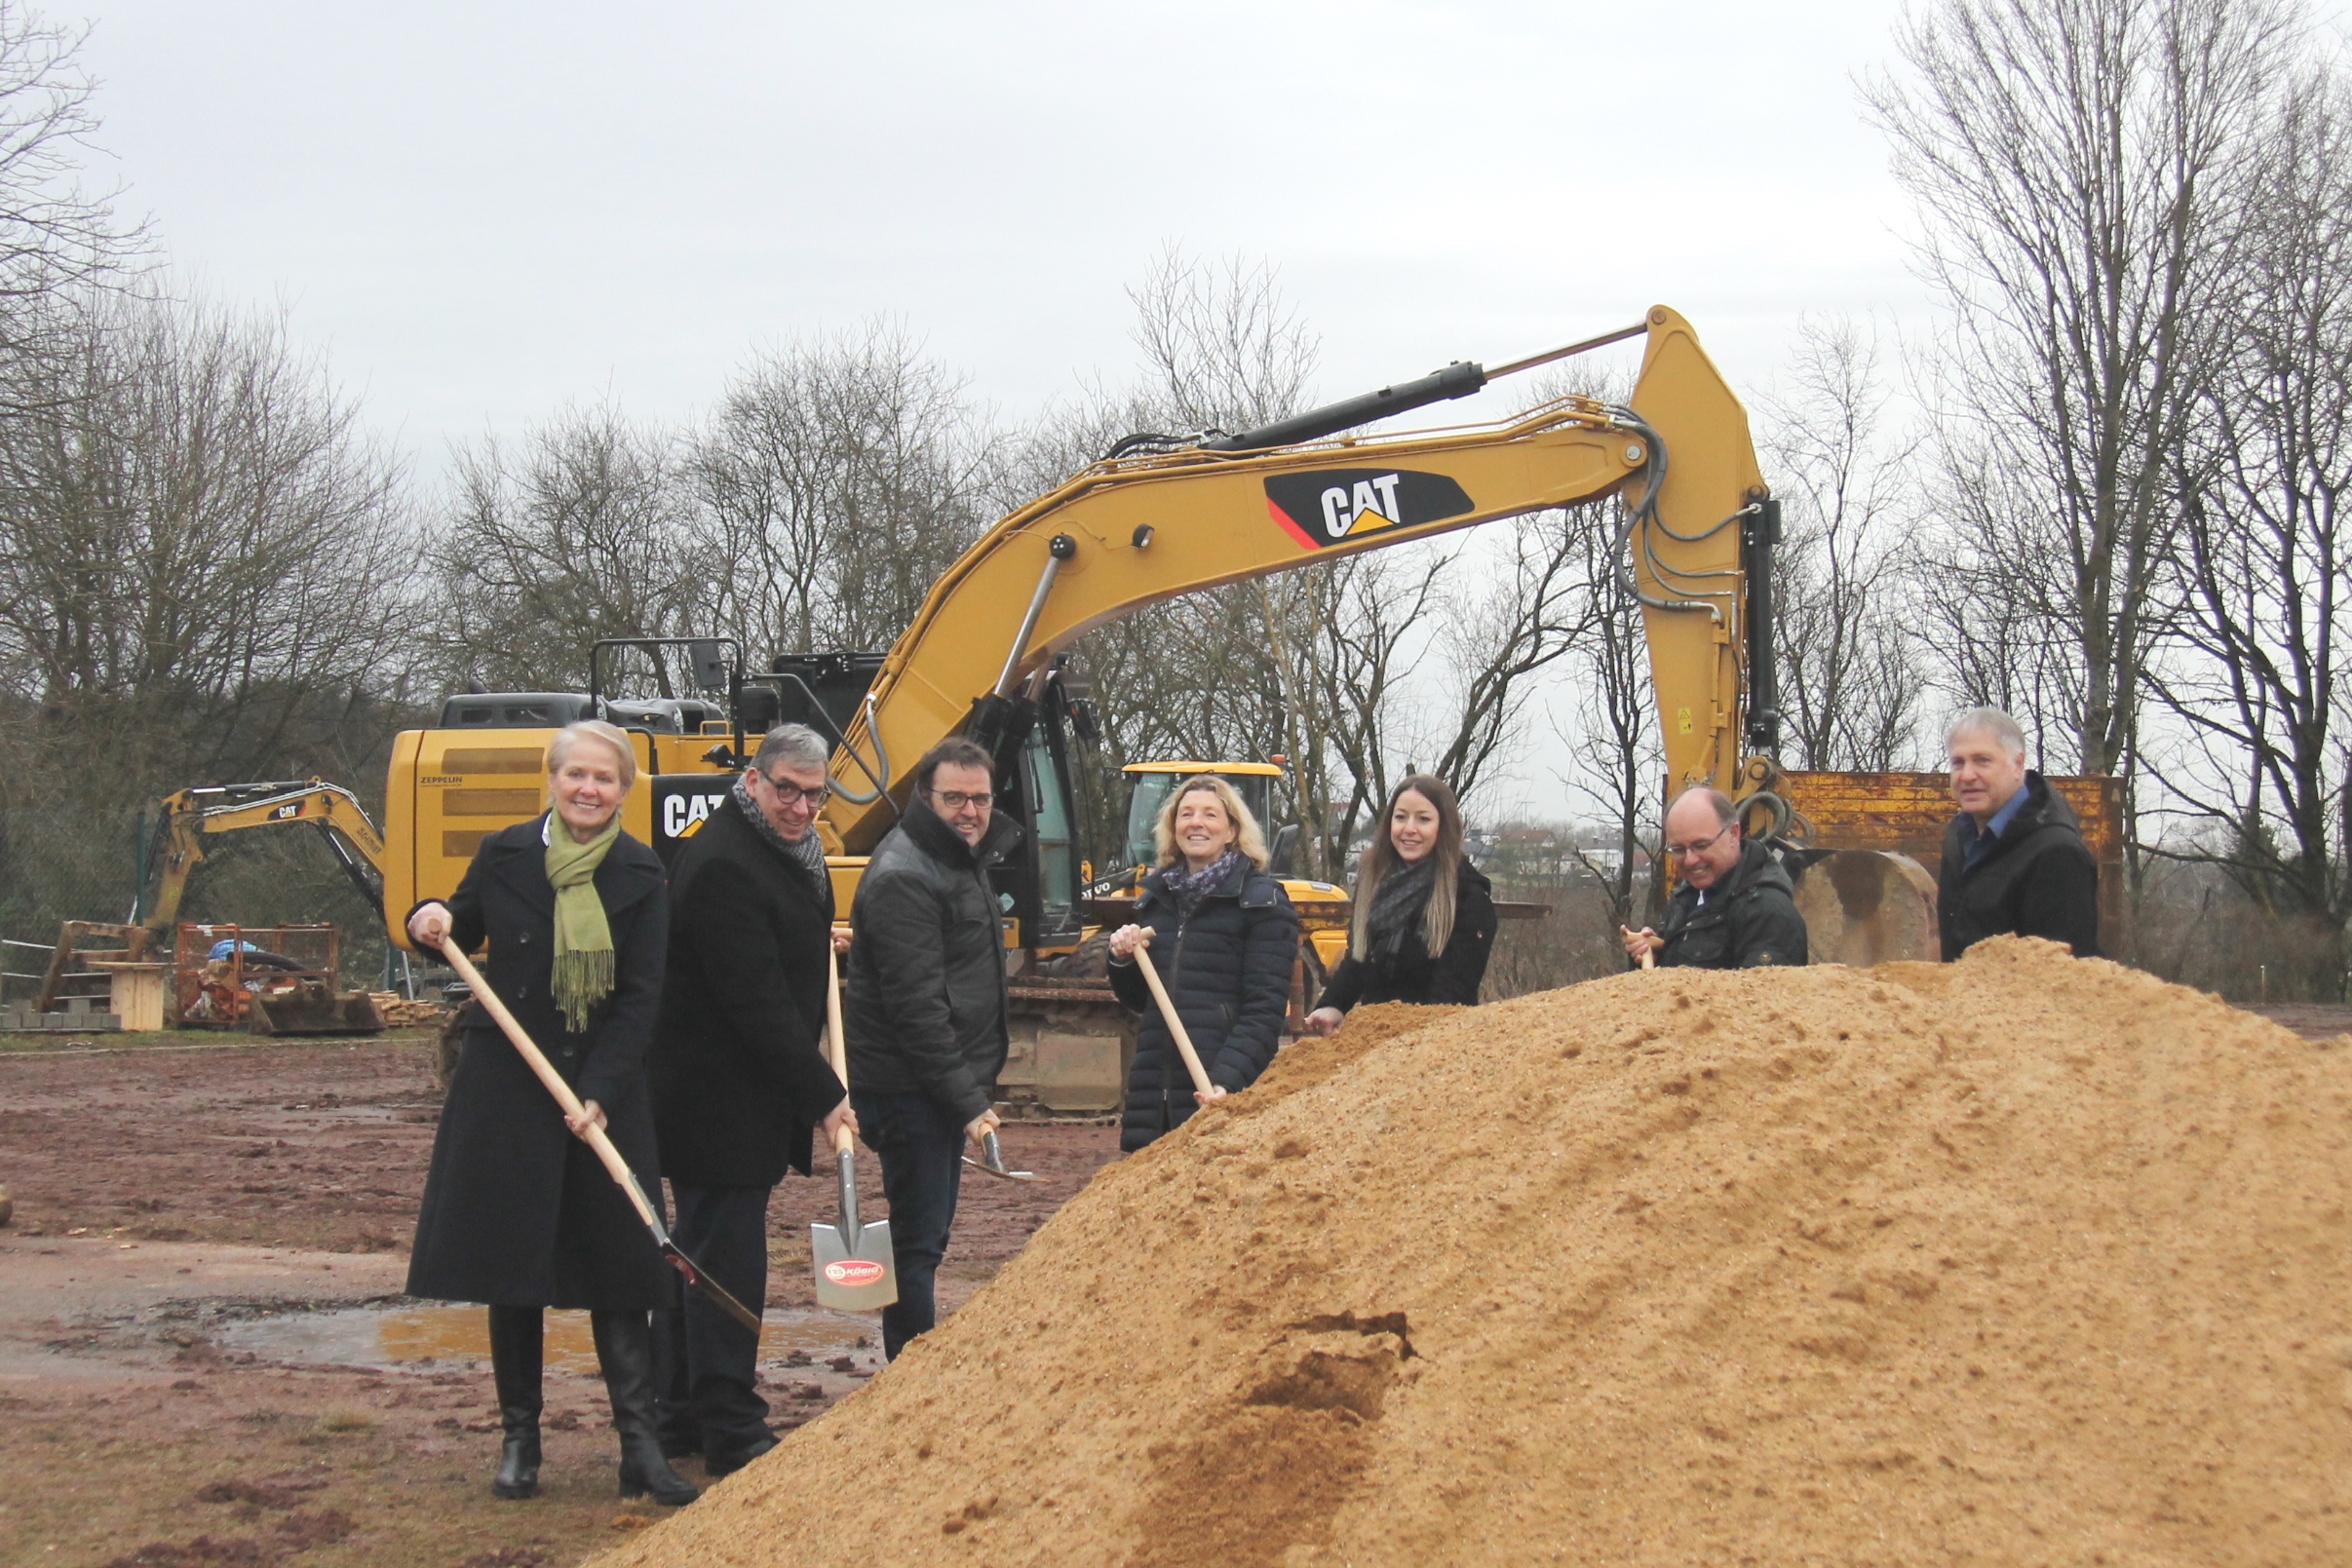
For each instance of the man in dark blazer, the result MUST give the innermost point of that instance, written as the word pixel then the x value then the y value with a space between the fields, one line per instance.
pixel 738 1075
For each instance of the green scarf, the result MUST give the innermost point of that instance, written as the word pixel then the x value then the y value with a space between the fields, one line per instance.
pixel 583 936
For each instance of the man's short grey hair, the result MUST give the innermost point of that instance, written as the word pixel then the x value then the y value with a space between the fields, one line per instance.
pixel 1987 721
pixel 793 745
pixel 1725 812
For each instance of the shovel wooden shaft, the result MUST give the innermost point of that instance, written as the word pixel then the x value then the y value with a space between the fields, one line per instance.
pixel 1175 1025
pixel 594 1137
pixel 836 1051
pixel 522 1040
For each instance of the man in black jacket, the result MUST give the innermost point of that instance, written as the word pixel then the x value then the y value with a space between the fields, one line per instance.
pixel 1736 908
pixel 738 1075
pixel 926 1010
pixel 2014 858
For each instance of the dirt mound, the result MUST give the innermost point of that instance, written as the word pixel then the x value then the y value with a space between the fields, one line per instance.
pixel 2020 1260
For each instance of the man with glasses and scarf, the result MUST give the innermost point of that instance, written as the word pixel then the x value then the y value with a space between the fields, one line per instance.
pixel 925 1011
pixel 739 1076
pixel 1736 908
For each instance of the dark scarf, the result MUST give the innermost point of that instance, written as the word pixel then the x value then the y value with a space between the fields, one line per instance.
pixel 1397 905
pixel 1189 888
pixel 809 854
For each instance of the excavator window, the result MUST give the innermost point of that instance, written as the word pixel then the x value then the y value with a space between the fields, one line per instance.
pixel 1150 792
pixel 1056 880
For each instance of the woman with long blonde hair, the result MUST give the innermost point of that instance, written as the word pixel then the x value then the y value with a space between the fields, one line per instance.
pixel 1224 936
pixel 1416 895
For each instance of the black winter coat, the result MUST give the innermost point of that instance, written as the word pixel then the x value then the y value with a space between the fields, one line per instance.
pixel 738 1070
pixel 1749 921
pixel 2037 880
pixel 1227 970
pixel 517 1212
pixel 1409 976
pixel 925 1011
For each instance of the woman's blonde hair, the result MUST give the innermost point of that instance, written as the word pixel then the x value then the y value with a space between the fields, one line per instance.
pixel 1380 858
pixel 559 748
pixel 1250 839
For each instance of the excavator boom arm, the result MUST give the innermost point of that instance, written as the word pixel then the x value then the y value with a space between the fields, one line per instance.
pixel 1132 532
pixel 192 815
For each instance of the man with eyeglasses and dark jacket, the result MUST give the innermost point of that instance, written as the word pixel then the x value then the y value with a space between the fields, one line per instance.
pixel 739 1076
pixel 925 1011
pixel 1735 908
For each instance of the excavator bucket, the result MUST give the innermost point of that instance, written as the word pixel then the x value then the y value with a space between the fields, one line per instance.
pixel 1868 906
pixel 311 1007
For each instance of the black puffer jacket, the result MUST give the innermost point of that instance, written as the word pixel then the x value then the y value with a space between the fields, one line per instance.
pixel 1749 921
pixel 1409 976
pixel 2037 880
pixel 1227 970
pixel 925 1011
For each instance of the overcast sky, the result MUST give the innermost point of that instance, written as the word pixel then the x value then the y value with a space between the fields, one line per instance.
pixel 482 211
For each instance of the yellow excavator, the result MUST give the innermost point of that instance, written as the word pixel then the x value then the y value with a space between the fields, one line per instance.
pixel 187 818
pixel 1162 516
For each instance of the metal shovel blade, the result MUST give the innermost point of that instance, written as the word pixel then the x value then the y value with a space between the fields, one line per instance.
pixel 993 1161
pixel 856 1274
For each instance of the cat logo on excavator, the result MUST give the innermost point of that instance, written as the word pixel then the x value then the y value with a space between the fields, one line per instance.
pixel 1324 506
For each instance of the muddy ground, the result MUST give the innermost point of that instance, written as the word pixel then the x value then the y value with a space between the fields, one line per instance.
pixel 204 1358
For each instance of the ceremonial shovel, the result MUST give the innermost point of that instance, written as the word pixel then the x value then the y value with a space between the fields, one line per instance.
pixel 855 1269
pixel 1175 1025
pixel 595 1139
pixel 992 1159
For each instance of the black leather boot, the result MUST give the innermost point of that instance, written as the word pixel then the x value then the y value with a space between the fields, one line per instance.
pixel 515 1354
pixel 624 1351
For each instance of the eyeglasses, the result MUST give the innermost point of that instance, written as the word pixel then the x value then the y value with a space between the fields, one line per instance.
pixel 1699 846
pixel 791 794
pixel 957 799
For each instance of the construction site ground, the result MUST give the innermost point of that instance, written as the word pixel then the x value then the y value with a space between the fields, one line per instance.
pixel 199 1298
pixel 204 1355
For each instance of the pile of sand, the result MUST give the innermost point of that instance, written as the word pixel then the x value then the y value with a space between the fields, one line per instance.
pixel 2021 1260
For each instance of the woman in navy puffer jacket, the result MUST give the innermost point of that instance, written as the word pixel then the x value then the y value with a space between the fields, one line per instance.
pixel 1224 938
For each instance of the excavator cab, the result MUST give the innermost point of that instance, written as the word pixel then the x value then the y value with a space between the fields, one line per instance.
pixel 1149 784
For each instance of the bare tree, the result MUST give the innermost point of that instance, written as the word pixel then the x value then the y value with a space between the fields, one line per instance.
pixel 2073 162
pixel 63 246
pixel 1614 736
pixel 581 530
pixel 201 556
pixel 838 480
pixel 2267 555
pixel 1850 677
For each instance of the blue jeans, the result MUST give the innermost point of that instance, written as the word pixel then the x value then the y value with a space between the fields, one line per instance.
pixel 707 1363
pixel 922 1147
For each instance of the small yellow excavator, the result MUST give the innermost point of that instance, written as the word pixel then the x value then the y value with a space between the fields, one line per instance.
pixel 292 999
pixel 187 818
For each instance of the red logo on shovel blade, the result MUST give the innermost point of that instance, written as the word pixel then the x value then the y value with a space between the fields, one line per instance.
pixel 854 1272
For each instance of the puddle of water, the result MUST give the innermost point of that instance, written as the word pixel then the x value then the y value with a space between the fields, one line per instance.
pixel 438 1336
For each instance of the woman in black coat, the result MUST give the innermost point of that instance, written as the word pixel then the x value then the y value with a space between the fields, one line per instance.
pixel 1416 894
pixel 518 1211
pixel 1224 938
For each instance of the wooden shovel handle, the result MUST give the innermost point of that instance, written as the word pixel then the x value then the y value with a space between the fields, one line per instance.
pixel 1175 1025
pixel 538 1063
pixel 835 1049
